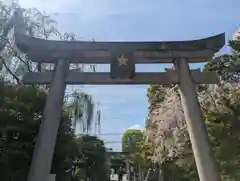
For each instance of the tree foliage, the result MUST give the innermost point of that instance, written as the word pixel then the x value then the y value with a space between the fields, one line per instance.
pixel 21 111
pixel 227 65
pixel 91 157
pixel 23 107
pixel 130 140
pixel 81 107
pixel 221 107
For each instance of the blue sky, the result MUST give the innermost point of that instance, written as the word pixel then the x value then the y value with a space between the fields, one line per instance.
pixel 137 20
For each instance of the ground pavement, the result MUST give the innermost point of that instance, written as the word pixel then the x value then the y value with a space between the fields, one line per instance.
pixel 114 177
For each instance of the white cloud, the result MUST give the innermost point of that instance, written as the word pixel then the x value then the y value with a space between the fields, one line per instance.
pixel 136 127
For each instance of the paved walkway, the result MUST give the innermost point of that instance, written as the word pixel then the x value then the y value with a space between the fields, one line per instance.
pixel 115 177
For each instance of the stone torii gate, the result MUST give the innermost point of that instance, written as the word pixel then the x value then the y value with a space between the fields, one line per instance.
pixel 122 56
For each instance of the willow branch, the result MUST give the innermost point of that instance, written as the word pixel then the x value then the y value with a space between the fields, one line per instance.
pixel 11 72
pixel 15 54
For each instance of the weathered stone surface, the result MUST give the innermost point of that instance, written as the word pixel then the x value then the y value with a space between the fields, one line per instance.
pixel 74 77
pixel 48 51
pixel 211 43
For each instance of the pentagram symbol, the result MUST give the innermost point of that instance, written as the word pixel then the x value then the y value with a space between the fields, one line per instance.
pixel 122 61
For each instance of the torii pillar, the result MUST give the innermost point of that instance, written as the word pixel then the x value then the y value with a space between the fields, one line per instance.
pixel 43 154
pixel 206 166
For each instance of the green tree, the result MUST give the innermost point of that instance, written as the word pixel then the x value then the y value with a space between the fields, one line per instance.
pixel 221 108
pixel 91 157
pixel 81 107
pixel 21 112
pixel 227 65
pixel 130 139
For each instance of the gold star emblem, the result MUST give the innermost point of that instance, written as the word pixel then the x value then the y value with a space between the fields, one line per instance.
pixel 122 60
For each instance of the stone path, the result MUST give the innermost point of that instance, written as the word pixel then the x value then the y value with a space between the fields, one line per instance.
pixel 115 177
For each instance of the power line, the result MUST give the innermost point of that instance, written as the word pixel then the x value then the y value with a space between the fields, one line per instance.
pixel 95 141
pixel 102 134
pixel 113 142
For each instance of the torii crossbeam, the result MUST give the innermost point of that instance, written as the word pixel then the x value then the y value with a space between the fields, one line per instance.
pixel 122 56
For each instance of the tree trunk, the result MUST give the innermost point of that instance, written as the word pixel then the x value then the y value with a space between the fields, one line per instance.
pixel 128 170
pixel 160 173
pixel 165 173
pixel 140 172
pixel 134 176
pixel 148 174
